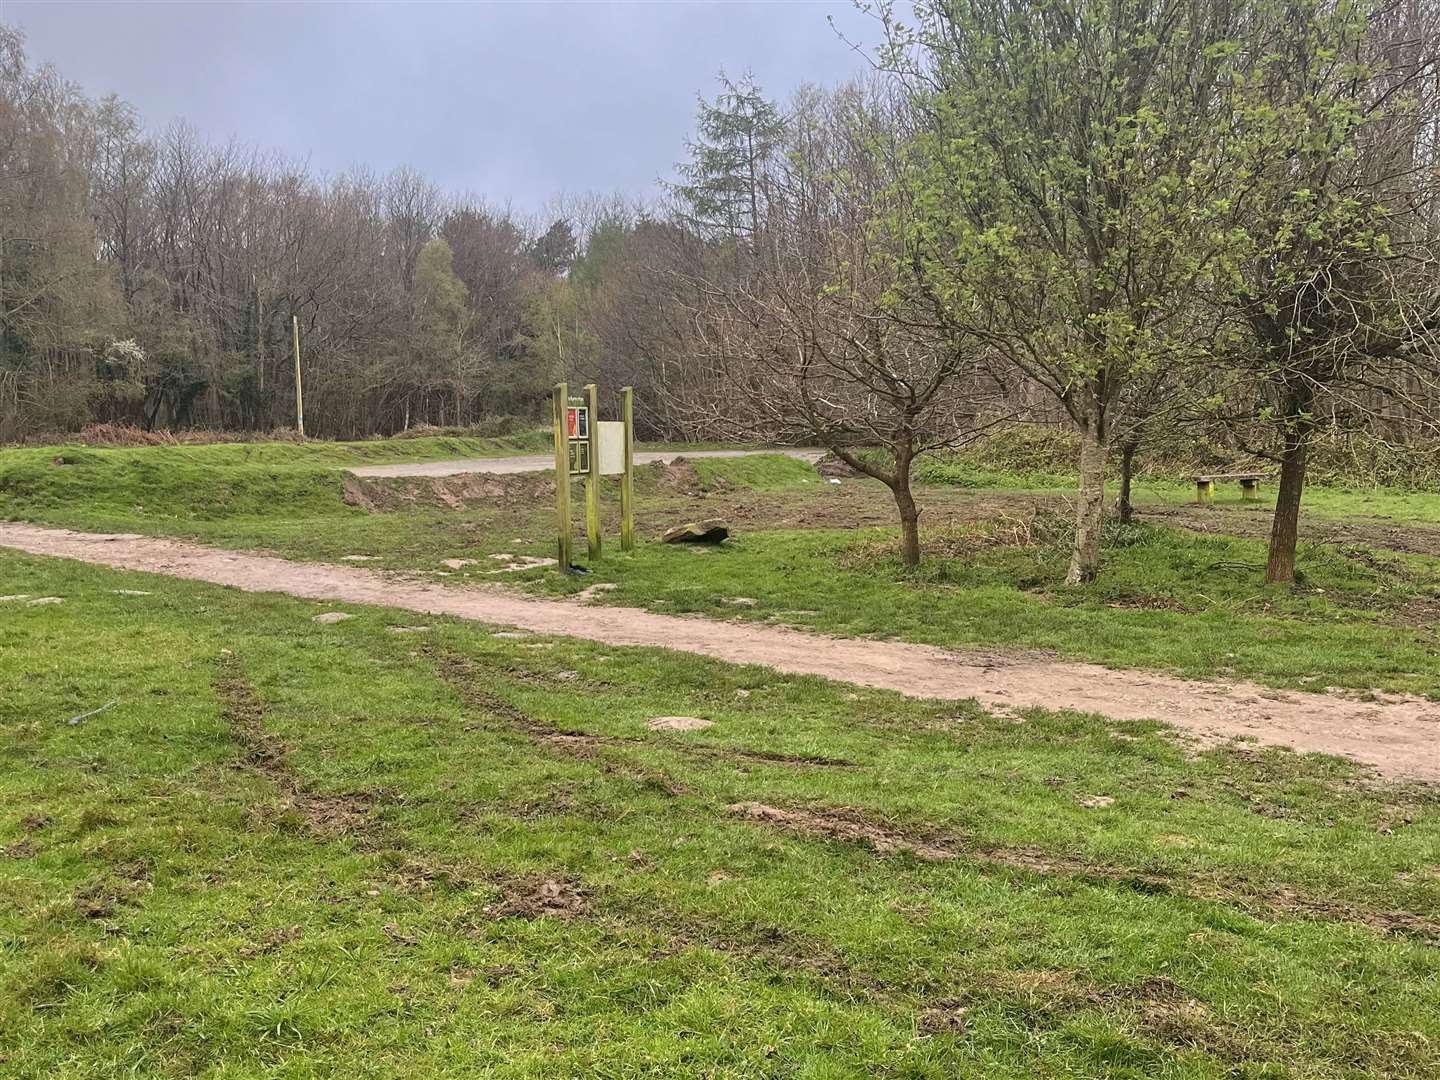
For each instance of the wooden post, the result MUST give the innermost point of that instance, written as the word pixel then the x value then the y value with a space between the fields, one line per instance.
pixel 1204 491
pixel 627 478
pixel 299 397
pixel 560 404
pixel 592 478
pixel 1249 489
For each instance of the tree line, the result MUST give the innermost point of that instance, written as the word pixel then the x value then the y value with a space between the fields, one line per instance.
pixel 1137 217
pixel 152 279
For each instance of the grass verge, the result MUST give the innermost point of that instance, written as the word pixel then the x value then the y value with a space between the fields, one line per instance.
pixel 300 849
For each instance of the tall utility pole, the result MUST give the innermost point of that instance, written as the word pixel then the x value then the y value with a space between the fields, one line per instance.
pixel 299 397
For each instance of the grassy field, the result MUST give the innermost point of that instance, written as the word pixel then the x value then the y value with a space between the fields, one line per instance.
pixel 814 554
pixel 366 849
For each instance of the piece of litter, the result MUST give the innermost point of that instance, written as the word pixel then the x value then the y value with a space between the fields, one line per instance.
pixel 326 618
pixel 834 481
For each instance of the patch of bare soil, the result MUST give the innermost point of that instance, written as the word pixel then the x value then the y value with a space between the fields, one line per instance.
pixel 1399 736
pixel 265 755
pixel 677 477
pixel 841 825
pixel 384 495
pixel 856 502
pixel 122 886
pixel 679 723
pixel 536 897
pixel 946 1017
pixel 271 941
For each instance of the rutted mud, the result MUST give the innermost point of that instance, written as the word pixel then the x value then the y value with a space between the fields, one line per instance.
pixel 265 755
pixel 836 825
pixel 1399 736
pixel 853 827
pixel 464 674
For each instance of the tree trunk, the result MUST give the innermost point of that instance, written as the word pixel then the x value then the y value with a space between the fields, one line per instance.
pixel 909 520
pixel 1285 528
pixel 1090 506
pixel 1127 471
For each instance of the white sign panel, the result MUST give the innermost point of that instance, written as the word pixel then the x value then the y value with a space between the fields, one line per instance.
pixel 611 436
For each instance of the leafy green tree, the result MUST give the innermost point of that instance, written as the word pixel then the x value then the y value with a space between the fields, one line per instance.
pixel 1337 304
pixel 442 340
pixel 1070 193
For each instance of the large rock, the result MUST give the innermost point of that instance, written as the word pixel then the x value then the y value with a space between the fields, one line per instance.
pixel 709 531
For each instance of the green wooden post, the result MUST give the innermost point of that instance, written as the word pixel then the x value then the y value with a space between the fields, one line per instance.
pixel 1249 489
pixel 627 478
pixel 1204 491
pixel 592 479
pixel 559 405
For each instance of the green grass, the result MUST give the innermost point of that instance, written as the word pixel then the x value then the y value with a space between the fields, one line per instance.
pixel 763 472
pixel 1334 503
pixel 1166 599
pixel 299 850
pixel 158 484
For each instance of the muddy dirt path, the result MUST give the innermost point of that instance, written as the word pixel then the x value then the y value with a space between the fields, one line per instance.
pixel 1399 736
pixel 540 462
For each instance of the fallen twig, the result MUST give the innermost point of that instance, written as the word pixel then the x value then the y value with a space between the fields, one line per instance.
pixel 74 720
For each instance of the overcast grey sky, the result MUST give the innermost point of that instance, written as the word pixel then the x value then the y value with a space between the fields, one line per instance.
pixel 512 101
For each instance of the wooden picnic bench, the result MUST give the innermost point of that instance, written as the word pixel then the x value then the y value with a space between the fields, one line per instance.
pixel 1205 485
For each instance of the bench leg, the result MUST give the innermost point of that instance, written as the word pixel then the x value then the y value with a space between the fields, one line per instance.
pixel 1204 492
pixel 1249 490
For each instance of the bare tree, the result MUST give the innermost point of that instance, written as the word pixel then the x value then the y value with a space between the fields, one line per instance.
pixel 807 332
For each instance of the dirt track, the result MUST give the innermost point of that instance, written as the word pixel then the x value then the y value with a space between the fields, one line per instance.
pixel 1399 736
pixel 541 462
